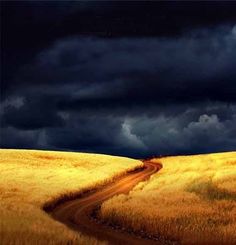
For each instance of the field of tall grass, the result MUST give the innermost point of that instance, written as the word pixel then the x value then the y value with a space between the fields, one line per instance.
pixel 191 200
pixel 31 179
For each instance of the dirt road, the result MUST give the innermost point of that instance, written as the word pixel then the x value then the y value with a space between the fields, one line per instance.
pixel 77 214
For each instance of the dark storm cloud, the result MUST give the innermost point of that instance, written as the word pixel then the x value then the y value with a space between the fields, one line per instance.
pixel 32 113
pixel 201 128
pixel 29 26
pixel 162 83
pixel 187 134
pixel 86 132
pixel 117 72
pixel 15 138
pixel 116 95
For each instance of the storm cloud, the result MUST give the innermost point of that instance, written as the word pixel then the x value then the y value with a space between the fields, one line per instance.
pixel 195 67
pixel 126 95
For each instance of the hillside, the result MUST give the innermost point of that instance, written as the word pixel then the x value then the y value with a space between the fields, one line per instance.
pixel 191 200
pixel 31 180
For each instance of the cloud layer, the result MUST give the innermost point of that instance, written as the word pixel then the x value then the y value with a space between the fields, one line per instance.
pixel 127 96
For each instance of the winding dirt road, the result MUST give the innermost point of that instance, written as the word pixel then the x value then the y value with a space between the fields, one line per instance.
pixel 77 214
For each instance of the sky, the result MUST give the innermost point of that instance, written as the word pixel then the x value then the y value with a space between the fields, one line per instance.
pixel 135 79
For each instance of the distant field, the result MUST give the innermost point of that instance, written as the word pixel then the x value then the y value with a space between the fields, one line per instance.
pixel 30 179
pixel 192 200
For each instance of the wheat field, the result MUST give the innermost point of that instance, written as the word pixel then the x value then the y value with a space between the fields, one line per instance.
pixel 31 180
pixel 191 200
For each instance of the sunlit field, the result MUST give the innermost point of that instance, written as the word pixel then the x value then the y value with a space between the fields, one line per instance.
pixel 31 180
pixel 191 200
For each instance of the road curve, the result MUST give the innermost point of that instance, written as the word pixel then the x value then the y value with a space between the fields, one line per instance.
pixel 77 214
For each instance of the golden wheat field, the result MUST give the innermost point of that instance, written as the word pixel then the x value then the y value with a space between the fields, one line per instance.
pixel 31 179
pixel 191 200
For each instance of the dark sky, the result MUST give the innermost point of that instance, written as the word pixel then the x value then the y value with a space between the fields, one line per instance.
pixel 125 78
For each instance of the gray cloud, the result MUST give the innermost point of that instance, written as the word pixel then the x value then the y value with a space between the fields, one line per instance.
pixel 200 128
pixel 128 96
pixel 191 68
pixel 172 135
pixel 30 113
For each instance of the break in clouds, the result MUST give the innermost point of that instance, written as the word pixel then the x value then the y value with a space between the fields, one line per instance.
pixel 126 96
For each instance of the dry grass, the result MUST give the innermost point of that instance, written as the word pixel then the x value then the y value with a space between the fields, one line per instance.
pixel 192 200
pixel 30 179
